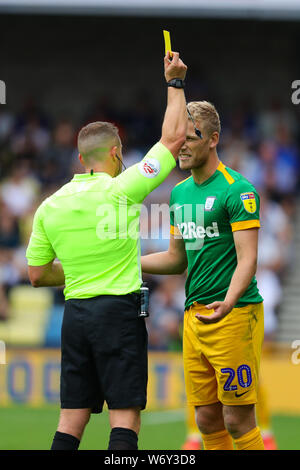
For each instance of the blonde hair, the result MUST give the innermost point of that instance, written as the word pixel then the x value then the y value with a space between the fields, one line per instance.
pixel 95 139
pixel 207 114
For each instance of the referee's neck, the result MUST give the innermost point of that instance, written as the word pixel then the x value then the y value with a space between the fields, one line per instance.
pixel 99 169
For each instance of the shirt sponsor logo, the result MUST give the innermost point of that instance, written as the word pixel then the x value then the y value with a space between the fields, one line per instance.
pixel 249 202
pixel 209 203
pixel 190 230
pixel 149 167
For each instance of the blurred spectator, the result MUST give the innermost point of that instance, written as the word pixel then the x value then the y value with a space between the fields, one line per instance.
pixel 9 230
pixel 19 189
pixel 287 162
pixel 3 302
pixel 7 123
pixel 104 110
pixel 275 115
pixel 9 249
pixel 57 159
pixel 166 314
pixel 275 235
pixel 267 153
pixel 31 134
pixel 30 140
pixel 274 254
pixel 142 124
pixel 241 158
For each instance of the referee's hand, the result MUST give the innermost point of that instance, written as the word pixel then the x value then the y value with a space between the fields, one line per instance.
pixel 174 68
pixel 220 310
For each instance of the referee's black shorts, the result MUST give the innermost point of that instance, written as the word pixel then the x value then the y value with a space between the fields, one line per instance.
pixel 104 353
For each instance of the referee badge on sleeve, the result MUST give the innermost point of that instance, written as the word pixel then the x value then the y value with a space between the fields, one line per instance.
pixel 248 199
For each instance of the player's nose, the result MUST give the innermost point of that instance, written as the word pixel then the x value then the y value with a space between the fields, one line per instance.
pixel 184 146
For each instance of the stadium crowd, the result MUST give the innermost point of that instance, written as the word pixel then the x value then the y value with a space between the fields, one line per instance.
pixel 38 154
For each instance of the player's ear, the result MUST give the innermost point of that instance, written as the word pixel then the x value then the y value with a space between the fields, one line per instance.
pixel 80 158
pixel 214 140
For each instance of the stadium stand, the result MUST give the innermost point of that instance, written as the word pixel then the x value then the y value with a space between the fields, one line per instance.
pixel 29 310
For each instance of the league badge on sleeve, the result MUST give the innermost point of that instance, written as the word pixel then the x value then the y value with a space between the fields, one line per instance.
pixel 149 167
pixel 249 202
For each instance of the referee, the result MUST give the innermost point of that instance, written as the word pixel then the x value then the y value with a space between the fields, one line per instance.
pixel 91 226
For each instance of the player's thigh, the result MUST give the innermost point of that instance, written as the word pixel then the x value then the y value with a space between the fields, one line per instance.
pixel 236 355
pixel 200 379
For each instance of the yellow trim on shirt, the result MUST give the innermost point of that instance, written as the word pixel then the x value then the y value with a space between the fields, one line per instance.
pixel 227 176
pixel 245 224
pixel 174 230
pixel 180 182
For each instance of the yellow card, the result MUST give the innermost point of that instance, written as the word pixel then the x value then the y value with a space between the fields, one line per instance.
pixel 167 42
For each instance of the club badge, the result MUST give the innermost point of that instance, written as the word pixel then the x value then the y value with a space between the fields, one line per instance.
pixel 209 203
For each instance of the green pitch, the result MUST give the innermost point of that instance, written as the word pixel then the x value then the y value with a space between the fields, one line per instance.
pixel 24 428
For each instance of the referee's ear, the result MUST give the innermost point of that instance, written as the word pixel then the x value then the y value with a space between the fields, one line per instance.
pixel 114 154
pixel 81 159
pixel 113 151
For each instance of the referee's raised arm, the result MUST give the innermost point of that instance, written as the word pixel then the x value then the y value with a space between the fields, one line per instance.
pixel 140 179
pixel 175 122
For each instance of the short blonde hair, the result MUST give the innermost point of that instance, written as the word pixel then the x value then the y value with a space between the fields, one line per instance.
pixel 207 114
pixel 95 138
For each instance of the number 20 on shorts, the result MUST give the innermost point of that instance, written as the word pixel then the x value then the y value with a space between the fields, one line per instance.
pixel 243 372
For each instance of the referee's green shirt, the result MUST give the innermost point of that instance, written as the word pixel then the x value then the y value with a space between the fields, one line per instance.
pixel 91 225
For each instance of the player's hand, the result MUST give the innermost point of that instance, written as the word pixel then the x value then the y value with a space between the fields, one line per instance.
pixel 221 309
pixel 174 68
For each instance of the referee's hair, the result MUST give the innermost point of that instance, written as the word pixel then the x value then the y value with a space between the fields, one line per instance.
pixel 95 139
pixel 206 113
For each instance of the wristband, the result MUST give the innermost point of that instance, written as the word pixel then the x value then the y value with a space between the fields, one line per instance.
pixel 176 83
